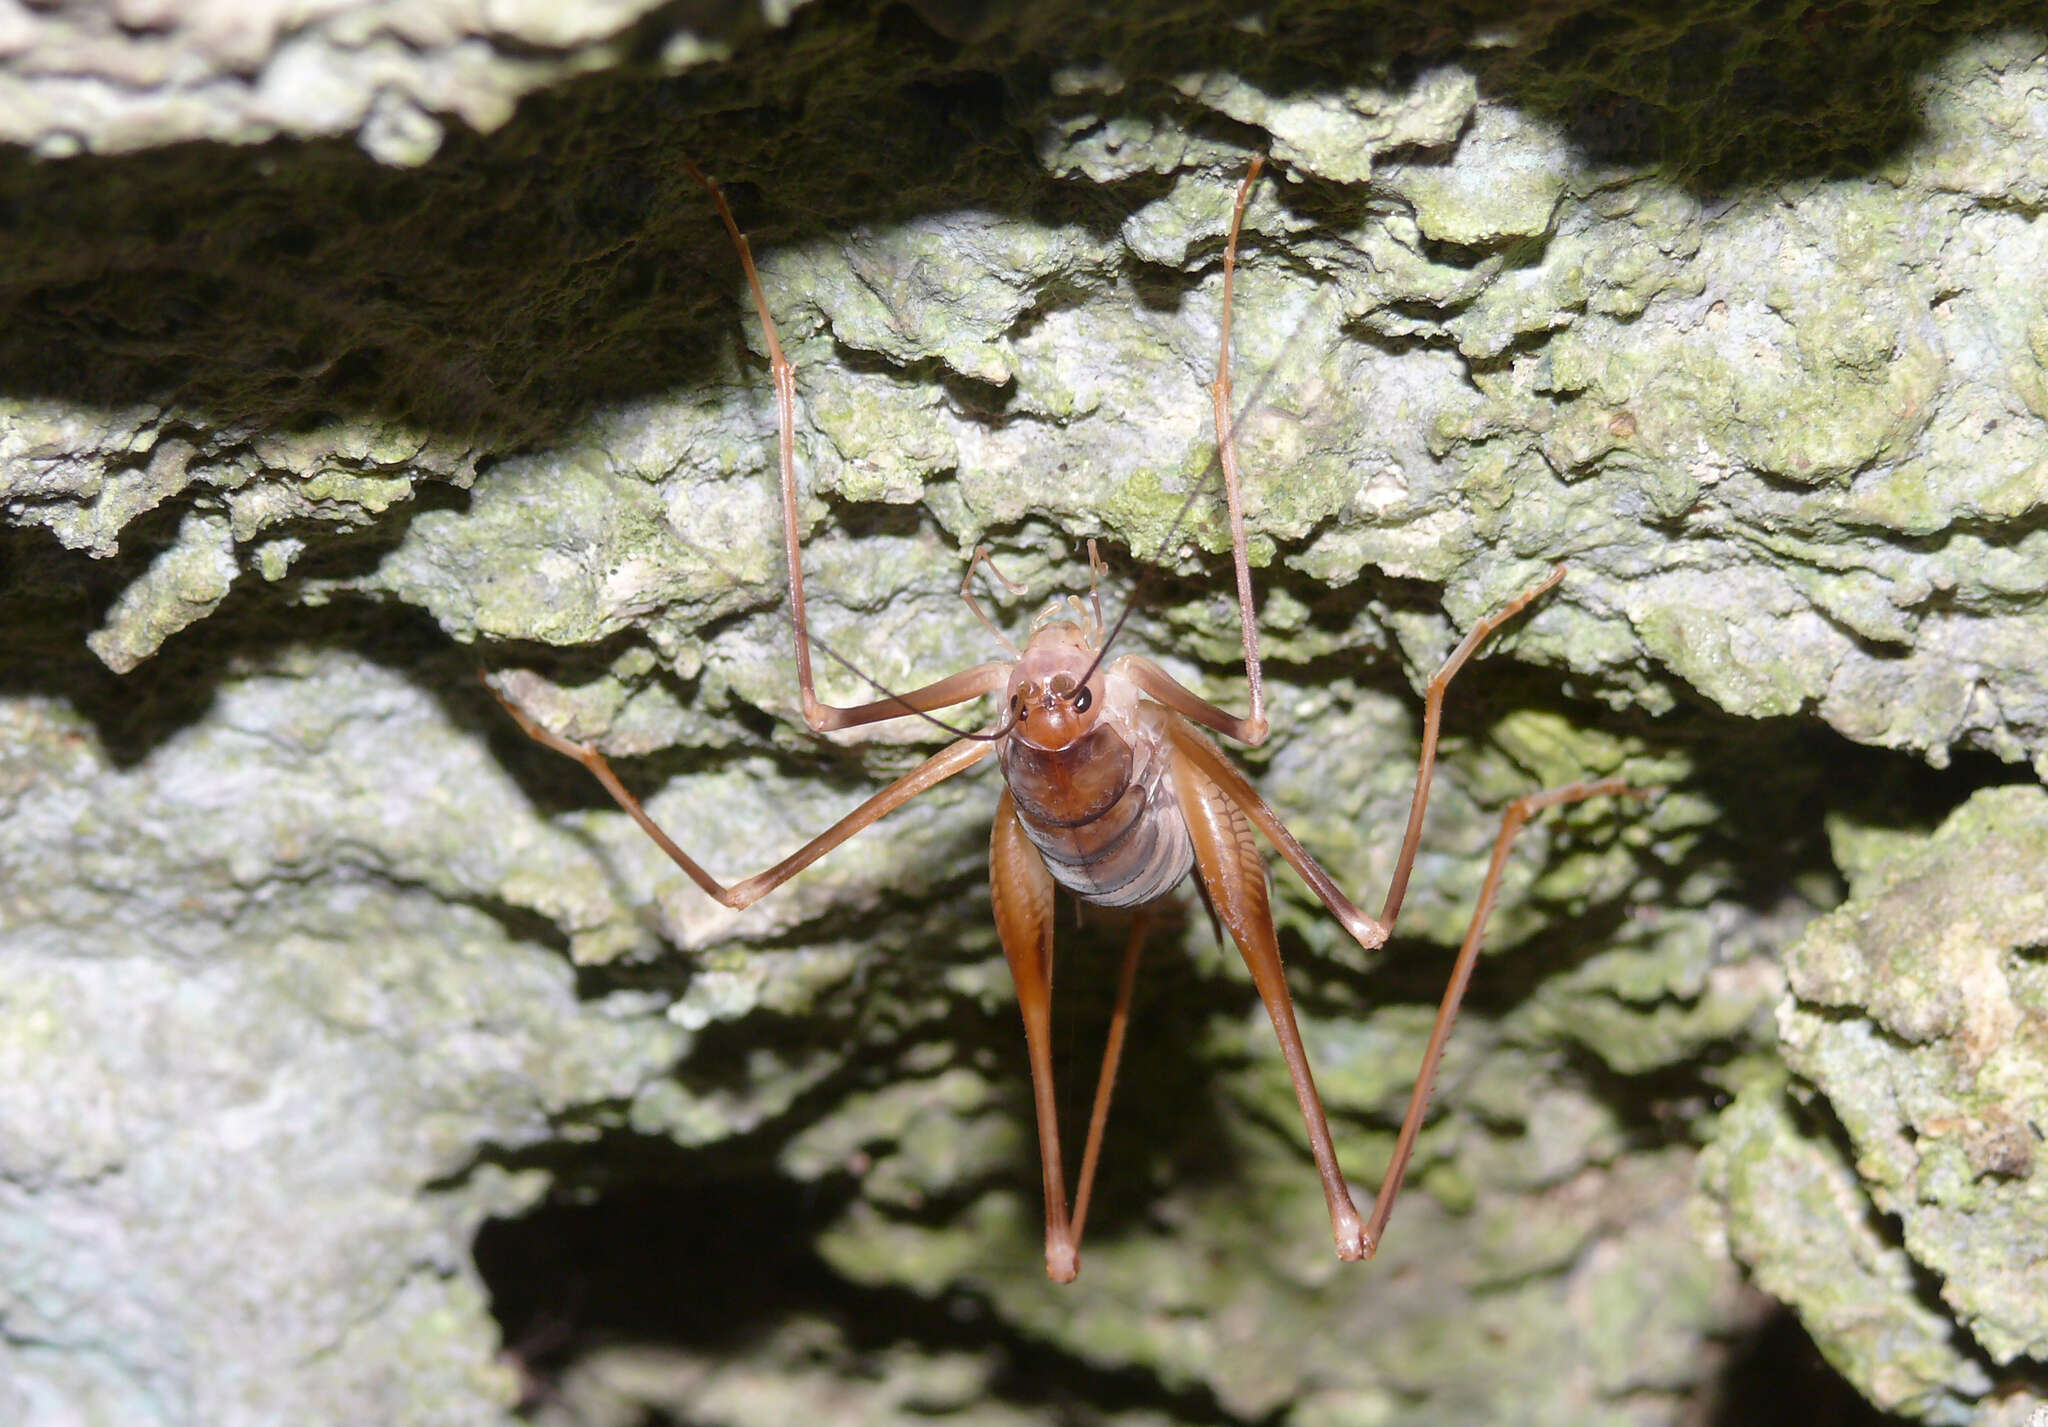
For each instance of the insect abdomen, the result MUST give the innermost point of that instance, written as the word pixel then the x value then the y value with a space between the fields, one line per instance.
pixel 1103 817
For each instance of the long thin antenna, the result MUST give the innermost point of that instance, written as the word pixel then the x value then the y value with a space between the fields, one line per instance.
pixel 1001 729
pixel 1198 488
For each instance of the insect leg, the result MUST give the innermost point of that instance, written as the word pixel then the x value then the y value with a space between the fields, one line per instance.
pixel 1023 892
pixel 1518 812
pixel 822 717
pixel 1251 729
pixel 1163 688
pixel 1105 1083
pixel 1432 719
pixel 943 693
pixel 1192 748
pixel 1234 875
pixel 956 757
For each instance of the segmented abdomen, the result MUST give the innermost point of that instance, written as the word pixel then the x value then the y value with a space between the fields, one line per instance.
pixel 1103 815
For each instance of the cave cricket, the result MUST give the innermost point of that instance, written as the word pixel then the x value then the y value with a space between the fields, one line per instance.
pixel 1114 792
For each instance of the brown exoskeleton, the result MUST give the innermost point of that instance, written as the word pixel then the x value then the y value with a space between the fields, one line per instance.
pixel 1113 792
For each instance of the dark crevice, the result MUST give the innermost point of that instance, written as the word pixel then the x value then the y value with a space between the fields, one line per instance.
pixel 1774 1376
pixel 520 279
pixel 711 1268
pixel 565 263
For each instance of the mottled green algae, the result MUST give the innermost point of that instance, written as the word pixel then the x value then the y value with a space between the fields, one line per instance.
pixel 1784 432
pixel 254 1024
pixel 1264 1327
pixel 1797 1216
pixel 1916 1013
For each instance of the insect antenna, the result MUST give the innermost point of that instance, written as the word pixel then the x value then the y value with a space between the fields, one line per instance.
pixel 1198 488
pixel 1001 730
pixel 1201 486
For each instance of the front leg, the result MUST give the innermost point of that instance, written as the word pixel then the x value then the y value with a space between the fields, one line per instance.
pixel 821 716
pixel 956 757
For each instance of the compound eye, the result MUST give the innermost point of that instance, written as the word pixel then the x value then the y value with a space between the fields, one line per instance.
pixel 1083 699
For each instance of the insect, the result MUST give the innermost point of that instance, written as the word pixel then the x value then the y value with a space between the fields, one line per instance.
pixel 1113 791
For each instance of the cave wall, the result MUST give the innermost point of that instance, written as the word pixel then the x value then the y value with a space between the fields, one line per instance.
pixel 351 352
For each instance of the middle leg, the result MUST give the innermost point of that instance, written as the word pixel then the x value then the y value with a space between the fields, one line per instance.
pixel 821 716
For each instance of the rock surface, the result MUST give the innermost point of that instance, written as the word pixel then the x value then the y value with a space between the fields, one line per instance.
pixel 351 347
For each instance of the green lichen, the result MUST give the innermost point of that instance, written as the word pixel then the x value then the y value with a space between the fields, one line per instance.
pixel 1735 312
pixel 1914 1015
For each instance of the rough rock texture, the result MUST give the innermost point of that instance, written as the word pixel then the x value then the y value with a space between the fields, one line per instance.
pixel 349 347
pixel 1918 1013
